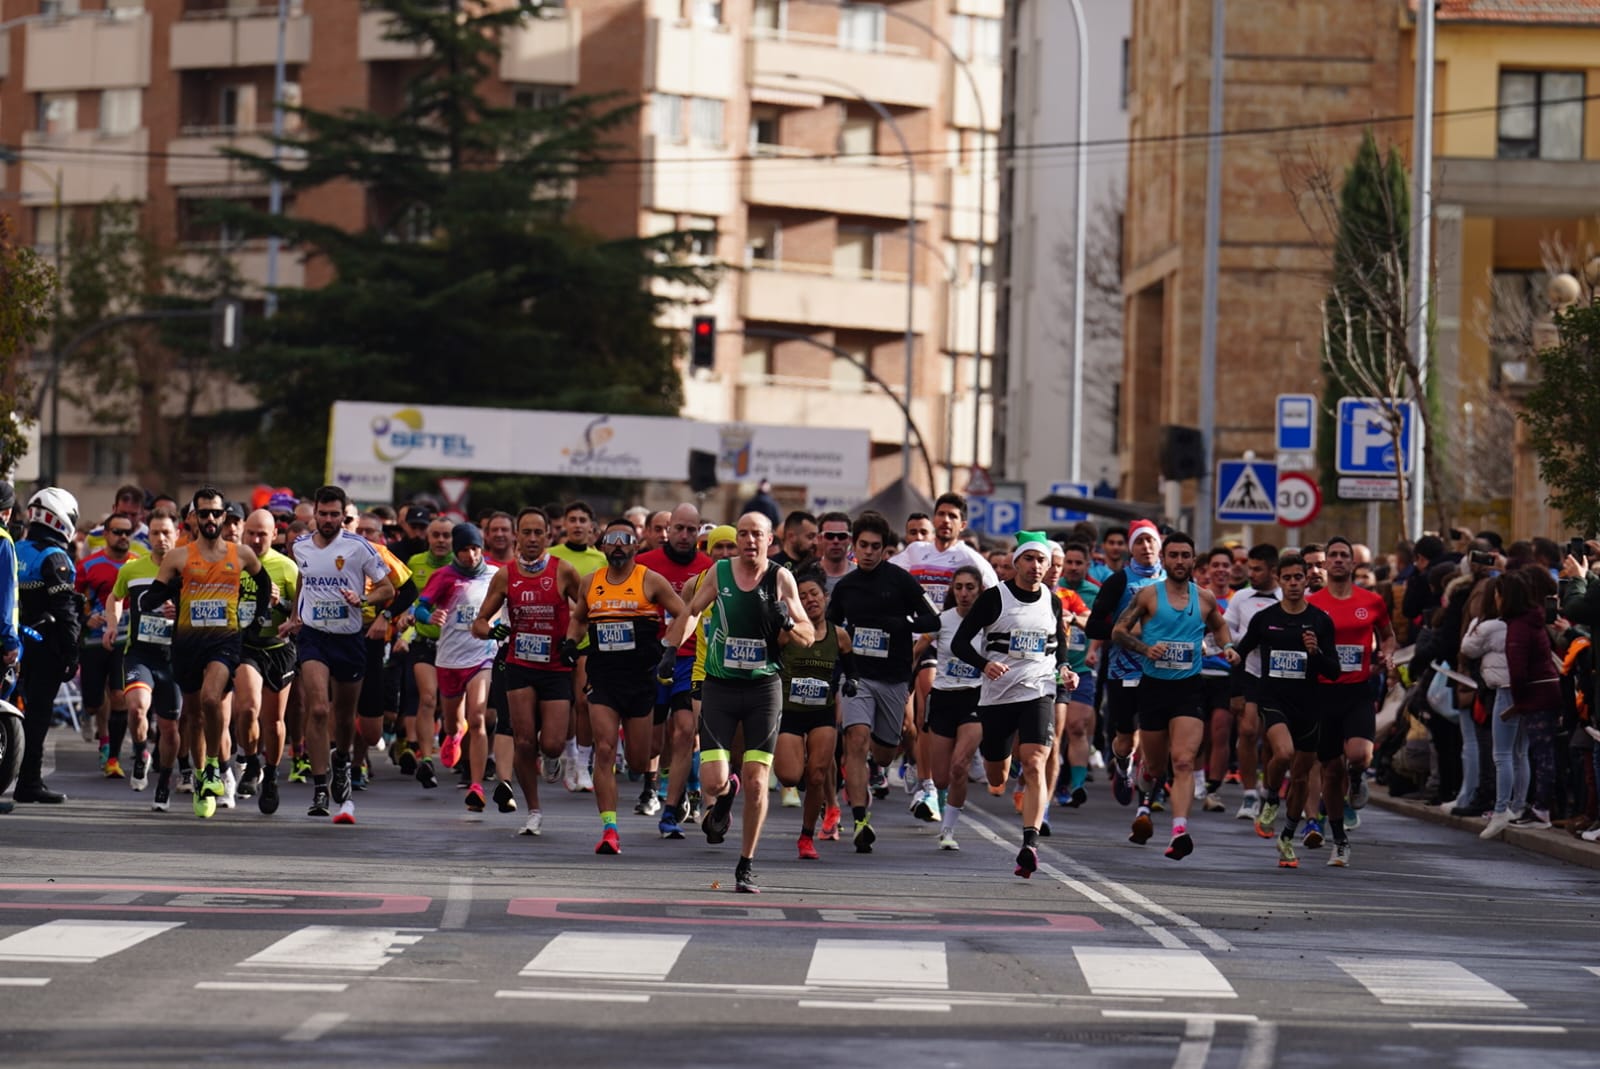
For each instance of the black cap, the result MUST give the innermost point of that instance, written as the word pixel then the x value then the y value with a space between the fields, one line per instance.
pixel 8 496
pixel 234 510
pixel 464 535
pixel 418 515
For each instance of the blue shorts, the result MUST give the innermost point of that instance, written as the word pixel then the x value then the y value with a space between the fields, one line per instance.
pixel 345 655
pixel 682 669
pixel 1085 693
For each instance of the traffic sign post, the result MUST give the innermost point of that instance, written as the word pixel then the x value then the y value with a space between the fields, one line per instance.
pixel 1299 500
pixel 1069 490
pixel 1297 423
pixel 1247 491
pixel 978 482
pixel 1366 444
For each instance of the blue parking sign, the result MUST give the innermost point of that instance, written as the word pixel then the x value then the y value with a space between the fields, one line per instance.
pixel 1069 490
pixel 1365 442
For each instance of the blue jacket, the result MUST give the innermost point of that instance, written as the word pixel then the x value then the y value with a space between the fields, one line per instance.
pixel 10 637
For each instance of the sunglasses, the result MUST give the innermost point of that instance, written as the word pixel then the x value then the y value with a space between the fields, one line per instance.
pixel 836 536
pixel 210 514
pixel 119 532
pixel 618 538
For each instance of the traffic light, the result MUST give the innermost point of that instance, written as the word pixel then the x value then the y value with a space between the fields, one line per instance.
pixel 703 342
pixel 1183 453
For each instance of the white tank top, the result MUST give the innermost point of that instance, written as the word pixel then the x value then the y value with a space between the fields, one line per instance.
pixel 953 673
pixel 1024 639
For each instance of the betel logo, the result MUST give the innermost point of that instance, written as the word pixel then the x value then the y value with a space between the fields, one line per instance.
pixel 592 453
pixel 396 437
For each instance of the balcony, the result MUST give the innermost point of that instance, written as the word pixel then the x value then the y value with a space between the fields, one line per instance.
pixel 804 402
pixel 893 76
pixel 183 169
pixel 964 109
pixel 814 296
pixel 219 40
pixel 962 197
pixel 673 184
pixel 876 187
pixel 96 167
pixel 691 60
pixel 250 260
pixel 544 51
pixel 87 53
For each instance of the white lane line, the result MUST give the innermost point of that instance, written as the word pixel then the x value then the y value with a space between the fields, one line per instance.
pixel 1163 1015
pixel 1425 982
pixel 1593 968
pixel 876 1005
pixel 1456 1026
pixel 1261 1046
pixel 608 956
pixel 79 942
pixel 24 981
pixel 1196 1045
pixel 1169 973
pixel 458 904
pixel 572 996
pixel 891 963
pixel 315 1027
pixel 286 986
pixel 1105 902
pixel 320 946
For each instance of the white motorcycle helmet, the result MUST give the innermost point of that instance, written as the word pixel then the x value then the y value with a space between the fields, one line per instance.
pixel 56 509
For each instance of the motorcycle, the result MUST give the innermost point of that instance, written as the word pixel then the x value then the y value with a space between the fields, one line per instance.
pixel 11 725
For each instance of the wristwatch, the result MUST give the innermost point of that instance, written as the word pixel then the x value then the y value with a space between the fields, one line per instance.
pixel 387 614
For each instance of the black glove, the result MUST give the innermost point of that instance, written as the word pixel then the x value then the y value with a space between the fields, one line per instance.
pixel 668 666
pixel 848 688
pixel 569 652
pixel 500 632
pixel 781 620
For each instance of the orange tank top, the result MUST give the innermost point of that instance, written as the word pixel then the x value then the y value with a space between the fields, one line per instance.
pixel 208 600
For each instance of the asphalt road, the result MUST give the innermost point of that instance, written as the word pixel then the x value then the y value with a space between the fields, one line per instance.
pixel 425 936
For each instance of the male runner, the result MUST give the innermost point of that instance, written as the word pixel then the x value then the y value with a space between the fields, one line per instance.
pixel 755 602
pixel 147 683
pixel 1079 742
pixel 808 731
pixel 1216 677
pixel 919 528
pixel 266 669
pixel 620 611
pixel 799 541
pixel 1297 645
pixel 577 532
pixel 656 530
pixel 1261 570
pixel 835 540
pixel 336 566
pixel 1123 668
pixel 1361 627
pixel 422 647
pixel 128 504
pixel 499 540
pixel 1316 559
pixel 206 648
pixel 1114 548
pixel 101 665
pixel 1165 626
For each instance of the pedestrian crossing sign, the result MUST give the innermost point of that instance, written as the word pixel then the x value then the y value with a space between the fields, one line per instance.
pixel 1247 491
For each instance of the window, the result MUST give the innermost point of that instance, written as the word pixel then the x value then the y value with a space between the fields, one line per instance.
pixel 236 107
pixel 769 17
pixel 700 236
pixel 539 97
pixel 58 7
pixel 861 27
pixel 120 111
pixel 708 12
pixel 1541 115
pixel 977 39
pixel 858 136
pixel 58 113
pixel 757 361
pixel 108 455
pixel 761 242
pixel 668 121
pixel 855 252
pixel 706 126
pixel 763 128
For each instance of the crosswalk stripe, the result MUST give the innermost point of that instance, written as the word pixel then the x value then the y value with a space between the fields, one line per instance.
pixel 1172 973
pixel 24 981
pixel 1425 982
pixel 607 956
pixel 892 964
pixel 321 946
pixel 79 942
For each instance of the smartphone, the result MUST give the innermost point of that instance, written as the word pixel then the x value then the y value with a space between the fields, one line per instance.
pixel 1482 557
pixel 1456 534
pixel 1552 608
pixel 1578 550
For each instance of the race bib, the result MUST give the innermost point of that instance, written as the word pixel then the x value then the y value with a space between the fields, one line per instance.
pixel 213 612
pixel 1028 643
pixel 464 615
pixel 1178 657
pixel 808 690
pixel 535 648
pixel 328 611
pixel 870 642
pixel 1350 657
pixel 1078 640
pixel 748 654
pixel 956 668
pixel 156 630
pixel 1287 664
pixel 614 637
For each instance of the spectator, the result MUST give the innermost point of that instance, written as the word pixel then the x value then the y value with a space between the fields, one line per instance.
pixel 1483 653
pixel 1535 692
pixel 763 503
pixel 1421 598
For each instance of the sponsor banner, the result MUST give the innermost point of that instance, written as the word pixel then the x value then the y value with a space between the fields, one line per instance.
pixel 365 483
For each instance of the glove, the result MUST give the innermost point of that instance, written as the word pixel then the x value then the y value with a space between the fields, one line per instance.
pixel 569 653
pixel 68 670
pixel 500 632
pixel 848 688
pixel 422 614
pixel 780 615
pixel 668 667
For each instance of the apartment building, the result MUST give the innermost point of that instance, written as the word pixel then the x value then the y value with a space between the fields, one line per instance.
pixel 773 126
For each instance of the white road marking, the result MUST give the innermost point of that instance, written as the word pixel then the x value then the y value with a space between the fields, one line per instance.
pixel 321 946
pixel 572 996
pixel 876 1005
pixel 1164 1015
pixel 888 963
pixel 1593 968
pixel 79 942
pixel 24 981
pixel 1196 1045
pixel 458 903
pixel 608 956
pixel 1425 982
pixel 1456 1026
pixel 315 1027
pixel 270 985
pixel 1169 973
pixel 1261 1046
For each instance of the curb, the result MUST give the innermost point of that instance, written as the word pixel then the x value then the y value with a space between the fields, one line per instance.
pixel 1551 842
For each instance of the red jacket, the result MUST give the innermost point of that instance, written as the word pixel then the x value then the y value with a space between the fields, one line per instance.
pixel 1535 679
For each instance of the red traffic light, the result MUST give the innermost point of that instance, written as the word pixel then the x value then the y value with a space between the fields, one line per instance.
pixel 703 327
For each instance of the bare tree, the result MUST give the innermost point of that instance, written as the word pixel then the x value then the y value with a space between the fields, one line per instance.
pixel 1103 306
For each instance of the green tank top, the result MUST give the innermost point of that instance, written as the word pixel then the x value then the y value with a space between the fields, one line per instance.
pixel 742 641
pixel 808 672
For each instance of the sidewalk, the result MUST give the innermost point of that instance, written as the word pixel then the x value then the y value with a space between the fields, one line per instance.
pixel 1552 842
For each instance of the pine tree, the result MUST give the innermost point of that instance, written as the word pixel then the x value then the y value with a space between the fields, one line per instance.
pixel 27 289
pixel 1562 413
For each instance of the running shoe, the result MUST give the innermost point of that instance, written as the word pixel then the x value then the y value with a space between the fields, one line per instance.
pixel 267 798
pixel 830 823
pixel 551 767
pixel 163 797
pixel 339 782
pixel 995 792
pixel 1080 795
pixel 319 802
pixel 1313 836
pixel 1180 847
pixel 534 824
pixel 249 780
pixel 185 781
pixel 1213 804
pixel 360 777
pixel 230 787
pixel 407 761
pixel 475 800
pixel 719 816
pixel 1158 800
pixel 947 841
pixel 789 799
pixel 879 782
pixel 1352 816
pixel 569 773
pixel 975 771
pixel 141 772
pixel 1044 829
pixel 211 784
pixel 300 770
pixel 113 769
pixel 426 776
pixel 668 825
pixel 1266 819
pixel 585 780
pixel 1248 807
pixel 1592 835
pixel 1027 862
pixel 1359 793
pixel 864 836
pixel 1121 781
pixel 450 750
pixel 1232 776
pixel 925 806
pixel 908 776
pixel 204 805
pixel 649 805
pixel 1286 855
pixel 505 797
pixel 807 848
pixel 1340 858
pixel 1016 800
pixel 1143 828
pixel 693 808
pixel 346 813
pixel 745 880
pixel 609 843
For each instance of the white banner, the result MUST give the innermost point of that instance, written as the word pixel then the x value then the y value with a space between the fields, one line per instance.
pixel 365 483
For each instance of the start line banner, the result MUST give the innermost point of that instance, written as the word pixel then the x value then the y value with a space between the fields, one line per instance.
pixel 372 437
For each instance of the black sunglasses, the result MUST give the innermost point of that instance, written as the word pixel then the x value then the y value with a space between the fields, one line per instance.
pixel 120 532
pixel 836 536
pixel 210 514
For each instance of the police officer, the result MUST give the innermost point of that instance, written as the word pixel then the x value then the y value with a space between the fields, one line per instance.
pixel 48 603
pixel 10 636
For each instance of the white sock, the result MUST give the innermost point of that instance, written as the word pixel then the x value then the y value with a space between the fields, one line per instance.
pixel 571 750
pixel 585 755
pixel 952 815
pixel 926 785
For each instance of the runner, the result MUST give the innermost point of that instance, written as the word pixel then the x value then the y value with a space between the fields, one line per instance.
pixel 206 647
pixel 1022 660
pixel 1361 628
pixel 536 591
pixel 128 504
pixel 808 732
pixel 266 669
pixel 835 539
pixel 1074 614
pixel 722 543
pixel 1114 548
pixel 882 608
pixel 1216 680
pixel 799 547
pixel 100 665
pixel 1316 559
pixel 335 568
pixel 656 530
pixel 1079 740
pixel 1297 645
pixel 954 727
pixel 1261 570
pixel 620 611
pixel 919 528
pixel 147 683
pixel 421 641
pixel 573 546
pixel 756 602
pixel 1165 626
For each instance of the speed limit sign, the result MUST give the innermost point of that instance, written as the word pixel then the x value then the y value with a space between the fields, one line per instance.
pixel 1299 500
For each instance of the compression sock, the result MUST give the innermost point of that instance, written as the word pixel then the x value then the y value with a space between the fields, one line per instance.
pixel 1290 823
pixel 1336 826
pixel 608 820
pixel 650 784
pixel 319 781
pixel 859 812
pixel 1213 786
pixel 117 723
pixel 141 747
pixel 1030 836
pixel 1078 776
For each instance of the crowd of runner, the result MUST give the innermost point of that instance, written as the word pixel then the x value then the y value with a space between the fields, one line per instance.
pixel 221 649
